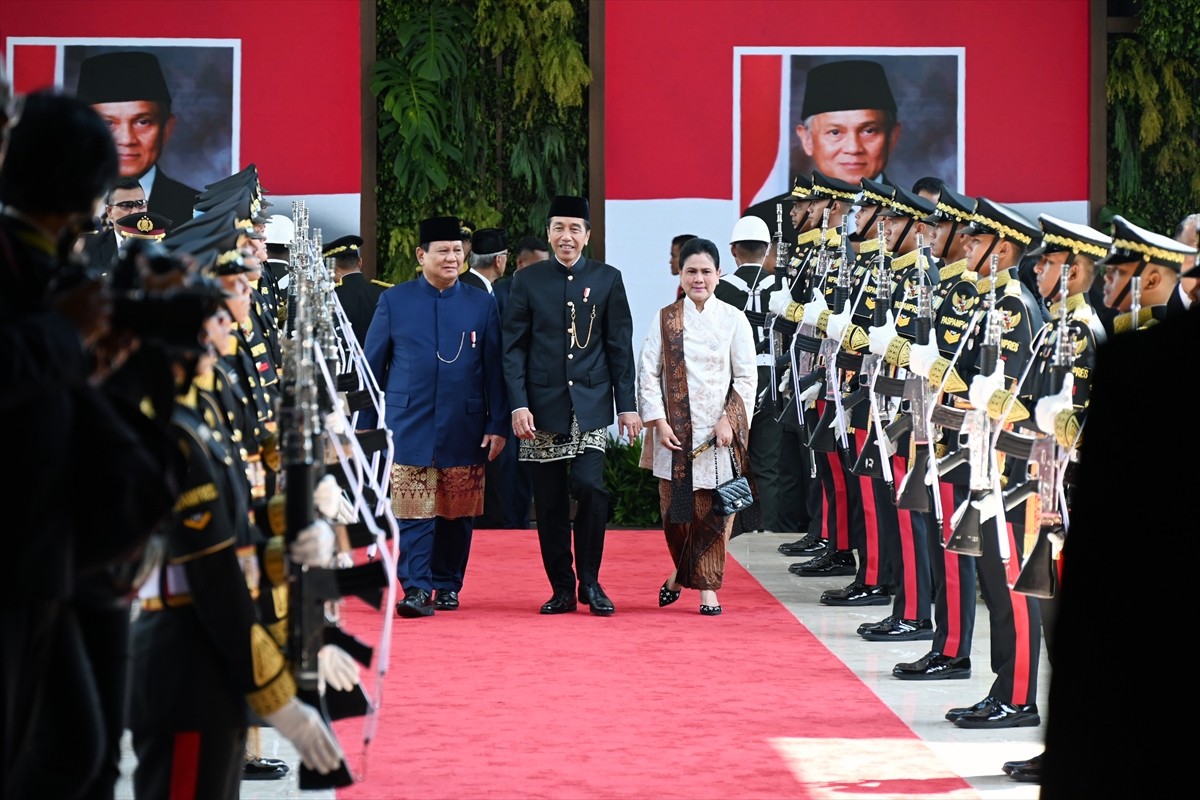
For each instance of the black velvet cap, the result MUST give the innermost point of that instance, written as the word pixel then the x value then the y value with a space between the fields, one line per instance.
pixel 122 77
pixel 486 241
pixel 565 205
pixel 439 229
pixel 846 85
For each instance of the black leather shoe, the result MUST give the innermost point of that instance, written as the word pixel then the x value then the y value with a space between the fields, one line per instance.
pixel 985 703
pixel 1002 715
pixel 264 769
pixel 833 563
pixel 884 623
pixel 1030 773
pixel 858 594
pixel 933 666
pixel 901 630
pixel 416 603
pixel 1032 763
pixel 597 600
pixel 804 541
pixel 710 611
pixel 810 545
pixel 445 600
pixel 560 603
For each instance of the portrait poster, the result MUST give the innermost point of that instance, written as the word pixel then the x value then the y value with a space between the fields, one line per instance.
pixel 201 76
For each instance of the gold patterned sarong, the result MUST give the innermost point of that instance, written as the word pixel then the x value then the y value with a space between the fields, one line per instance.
pixel 427 492
pixel 697 547
pixel 547 446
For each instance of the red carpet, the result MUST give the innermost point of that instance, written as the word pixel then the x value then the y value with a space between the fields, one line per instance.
pixel 497 701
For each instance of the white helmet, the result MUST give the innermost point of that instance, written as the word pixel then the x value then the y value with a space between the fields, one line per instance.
pixel 750 229
pixel 280 230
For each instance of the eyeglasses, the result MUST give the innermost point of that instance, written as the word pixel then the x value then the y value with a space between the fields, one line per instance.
pixel 129 205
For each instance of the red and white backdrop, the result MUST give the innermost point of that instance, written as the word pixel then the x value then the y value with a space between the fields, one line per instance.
pixel 274 83
pixel 699 117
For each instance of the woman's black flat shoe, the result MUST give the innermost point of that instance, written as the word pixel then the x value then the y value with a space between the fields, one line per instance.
pixel 666 596
pixel 710 611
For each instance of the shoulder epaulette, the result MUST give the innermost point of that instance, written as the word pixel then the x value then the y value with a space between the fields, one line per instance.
pixel 809 237
pixel 953 270
pixel 906 260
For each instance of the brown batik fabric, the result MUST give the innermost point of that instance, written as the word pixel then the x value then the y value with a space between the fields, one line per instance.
pixel 698 547
pixel 427 492
pixel 679 413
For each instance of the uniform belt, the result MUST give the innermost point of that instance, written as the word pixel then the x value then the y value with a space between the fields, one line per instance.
pixel 157 604
pixel 174 582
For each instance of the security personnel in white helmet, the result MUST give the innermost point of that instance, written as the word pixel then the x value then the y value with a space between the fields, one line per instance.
pixel 280 231
pixel 749 288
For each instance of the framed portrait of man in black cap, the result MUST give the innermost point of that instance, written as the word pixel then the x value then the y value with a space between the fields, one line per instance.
pixel 885 116
pixel 172 110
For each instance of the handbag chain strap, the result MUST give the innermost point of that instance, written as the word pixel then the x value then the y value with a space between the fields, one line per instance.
pixel 737 473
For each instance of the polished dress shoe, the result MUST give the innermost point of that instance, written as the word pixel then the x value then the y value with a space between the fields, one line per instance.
pixel 801 542
pixel 710 611
pixel 1031 772
pixel 1035 762
pixel 955 713
pixel 900 630
pixel 933 666
pixel 445 600
pixel 597 600
pixel 810 545
pixel 416 603
pixel 264 769
pixel 1001 715
pixel 833 563
pixel 560 603
pixel 886 622
pixel 667 596
pixel 858 594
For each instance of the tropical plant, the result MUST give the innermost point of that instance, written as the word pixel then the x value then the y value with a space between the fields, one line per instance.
pixel 1154 116
pixel 632 490
pixel 482 114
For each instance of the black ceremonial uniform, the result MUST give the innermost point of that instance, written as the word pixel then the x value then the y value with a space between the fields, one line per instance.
pixel 200 653
pixel 359 297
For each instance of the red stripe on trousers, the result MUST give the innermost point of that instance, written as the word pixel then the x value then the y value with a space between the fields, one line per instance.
pixel 840 502
pixel 1022 663
pixel 185 765
pixel 866 487
pixel 953 584
pixel 908 556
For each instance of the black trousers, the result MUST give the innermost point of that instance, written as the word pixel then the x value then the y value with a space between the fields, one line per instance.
pixel 205 765
pixel 554 484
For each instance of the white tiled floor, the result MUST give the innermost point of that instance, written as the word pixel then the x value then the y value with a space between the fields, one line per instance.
pixel 975 755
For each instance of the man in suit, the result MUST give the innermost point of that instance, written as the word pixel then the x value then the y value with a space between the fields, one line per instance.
pixel 434 345
pixel 488 260
pixel 100 246
pixel 562 390
pixel 357 295
pixel 128 90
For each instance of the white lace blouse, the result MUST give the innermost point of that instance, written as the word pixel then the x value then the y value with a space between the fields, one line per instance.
pixel 718 348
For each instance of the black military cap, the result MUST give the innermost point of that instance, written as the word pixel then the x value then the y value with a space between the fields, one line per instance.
pixel 342 246
pixel 875 193
pixel 466 229
pixel 565 205
pixel 952 207
pixel 218 223
pixel 1132 243
pixel 143 225
pixel 1003 222
pixel 220 237
pixel 247 175
pixel 801 189
pixel 846 85
pixel 487 241
pixel 1060 236
pixel 908 204
pixel 122 77
pixel 240 200
pixel 825 186
pixel 440 229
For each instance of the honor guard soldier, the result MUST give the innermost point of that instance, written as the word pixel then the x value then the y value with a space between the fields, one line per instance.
pixel 1141 276
pixel 357 295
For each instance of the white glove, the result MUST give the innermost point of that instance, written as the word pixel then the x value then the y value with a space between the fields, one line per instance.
pixel 779 303
pixel 984 386
pixel 314 545
pixel 785 379
pixel 1048 408
pixel 337 668
pixel 810 394
pixel 813 309
pixel 333 423
pixel 301 725
pixel 921 358
pixel 881 336
pixel 835 326
pixel 989 505
pixel 331 501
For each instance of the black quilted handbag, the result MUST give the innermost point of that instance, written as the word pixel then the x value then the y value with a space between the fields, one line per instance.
pixel 734 495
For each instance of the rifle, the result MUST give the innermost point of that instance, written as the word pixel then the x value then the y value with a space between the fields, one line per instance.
pixel 915 496
pixel 871 367
pixel 975 436
pixel 774 334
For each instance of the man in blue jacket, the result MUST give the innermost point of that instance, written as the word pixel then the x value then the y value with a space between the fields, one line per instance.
pixel 434 346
